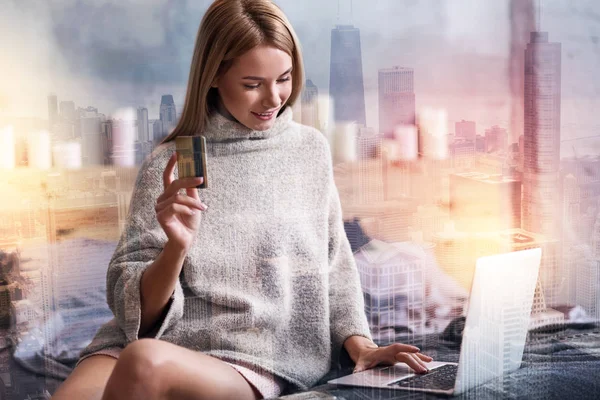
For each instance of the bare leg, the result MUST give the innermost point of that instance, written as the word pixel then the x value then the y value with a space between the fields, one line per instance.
pixel 155 369
pixel 88 379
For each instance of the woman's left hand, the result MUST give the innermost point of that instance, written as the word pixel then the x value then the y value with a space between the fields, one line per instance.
pixel 370 357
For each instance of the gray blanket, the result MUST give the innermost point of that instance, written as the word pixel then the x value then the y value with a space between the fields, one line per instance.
pixel 561 364
pixel 556 365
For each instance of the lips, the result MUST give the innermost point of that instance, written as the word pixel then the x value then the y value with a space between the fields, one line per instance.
pixel 264 116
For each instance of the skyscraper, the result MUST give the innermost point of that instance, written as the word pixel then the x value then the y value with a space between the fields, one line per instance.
pixel 571 205
pixel 91 137
pixel 465 129
pixel 310 106
pixel 345 75
pixel 157 129
pixel 142 125
pixel 541 135
pixel 396 99
pixel 168 114
pixel 67 111
pixel 496 139
pixel 52 109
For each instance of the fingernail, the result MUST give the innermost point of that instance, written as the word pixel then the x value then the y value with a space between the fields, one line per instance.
pixel 205 206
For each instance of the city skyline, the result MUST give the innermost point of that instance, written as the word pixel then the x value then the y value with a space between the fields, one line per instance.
pixel 427 219
pixel 448 67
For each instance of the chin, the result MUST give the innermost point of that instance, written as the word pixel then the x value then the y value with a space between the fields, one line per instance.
pixel 263 127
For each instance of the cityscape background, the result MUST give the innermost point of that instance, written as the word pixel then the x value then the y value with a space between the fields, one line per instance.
pixel 458 129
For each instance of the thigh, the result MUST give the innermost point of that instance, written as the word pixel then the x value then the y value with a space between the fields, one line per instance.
pixel 186 374
pixel 88 379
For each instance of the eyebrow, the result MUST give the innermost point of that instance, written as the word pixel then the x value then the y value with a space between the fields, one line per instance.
pixel 258 78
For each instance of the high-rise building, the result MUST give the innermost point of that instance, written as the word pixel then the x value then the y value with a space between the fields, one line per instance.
pixel 571 205
pixel 462 154
pixel 396 99
pixel 370 167
pixel 596 238
pixel 496 140
pixel 310 106
pixel 123 138
pixel 465 129
pixel 52 110
pixel 157 132
pixel 541 135
pixel 67 111
pixel 346 76
pixel 142 125
pixel 168 114
pixel 393 284
pixel 91 137
pixel 588 295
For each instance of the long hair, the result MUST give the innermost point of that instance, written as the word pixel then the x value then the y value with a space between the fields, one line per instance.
pixel 229 29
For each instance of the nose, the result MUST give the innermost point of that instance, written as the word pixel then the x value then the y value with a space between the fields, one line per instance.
pixel 272 98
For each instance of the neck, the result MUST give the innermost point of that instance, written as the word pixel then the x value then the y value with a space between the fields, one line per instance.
pixel 223 111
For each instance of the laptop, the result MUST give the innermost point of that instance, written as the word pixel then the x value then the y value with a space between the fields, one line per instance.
pixel 493 338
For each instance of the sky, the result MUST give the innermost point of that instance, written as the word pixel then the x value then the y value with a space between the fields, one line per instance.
pixel 112 54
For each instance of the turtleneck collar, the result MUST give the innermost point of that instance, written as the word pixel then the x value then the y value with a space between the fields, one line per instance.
pixel 219 128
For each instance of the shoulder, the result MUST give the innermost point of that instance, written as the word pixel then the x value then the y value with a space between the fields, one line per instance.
pixel 314 141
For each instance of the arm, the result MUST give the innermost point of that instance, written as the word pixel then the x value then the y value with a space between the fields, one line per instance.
pixel 158 284
pixel 346 302
pixel 142 248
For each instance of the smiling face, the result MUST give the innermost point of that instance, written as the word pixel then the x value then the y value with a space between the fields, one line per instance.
pixel 258 82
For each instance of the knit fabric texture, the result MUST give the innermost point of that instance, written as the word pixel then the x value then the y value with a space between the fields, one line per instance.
pixel 271 279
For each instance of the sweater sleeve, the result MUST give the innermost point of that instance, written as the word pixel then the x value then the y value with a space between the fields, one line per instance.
pixel 141 242
pixel 346 302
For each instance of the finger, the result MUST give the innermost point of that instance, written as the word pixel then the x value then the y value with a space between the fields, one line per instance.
pixel 424 357
pixel 180 199
pixel 405 348
pixel 193 193
pixel 168 172
pixel 411 362
pixel 174 209
pixel 178 184
pixel 419 361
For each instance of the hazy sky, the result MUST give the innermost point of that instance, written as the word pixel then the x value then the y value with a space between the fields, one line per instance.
pixel 111 54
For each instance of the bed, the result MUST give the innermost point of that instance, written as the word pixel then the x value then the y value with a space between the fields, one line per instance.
pixel 561 362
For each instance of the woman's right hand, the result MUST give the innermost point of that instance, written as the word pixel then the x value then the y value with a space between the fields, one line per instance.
pixel 179 215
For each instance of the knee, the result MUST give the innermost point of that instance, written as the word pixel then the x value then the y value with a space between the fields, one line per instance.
pixel 138 371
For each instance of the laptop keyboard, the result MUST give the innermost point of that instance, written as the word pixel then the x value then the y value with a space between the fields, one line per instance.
pixel 441 378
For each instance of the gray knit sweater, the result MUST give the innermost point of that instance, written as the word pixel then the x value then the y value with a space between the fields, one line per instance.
pixel 271 278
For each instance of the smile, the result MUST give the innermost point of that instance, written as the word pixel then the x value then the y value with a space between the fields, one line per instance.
pixel 263 116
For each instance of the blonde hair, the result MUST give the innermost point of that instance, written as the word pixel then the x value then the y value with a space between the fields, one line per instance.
pixel 229 29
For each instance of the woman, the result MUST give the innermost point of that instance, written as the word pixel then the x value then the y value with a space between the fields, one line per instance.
pixel 252 289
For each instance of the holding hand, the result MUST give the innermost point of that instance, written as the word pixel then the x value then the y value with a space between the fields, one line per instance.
pixel 370 357
pixel 178 214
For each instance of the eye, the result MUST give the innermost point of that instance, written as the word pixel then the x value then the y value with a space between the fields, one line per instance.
pixel 257 85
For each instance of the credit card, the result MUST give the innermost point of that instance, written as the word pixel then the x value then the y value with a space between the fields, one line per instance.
pixel 191 158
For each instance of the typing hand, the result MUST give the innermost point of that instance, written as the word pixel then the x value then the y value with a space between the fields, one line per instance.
pixel 370 357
